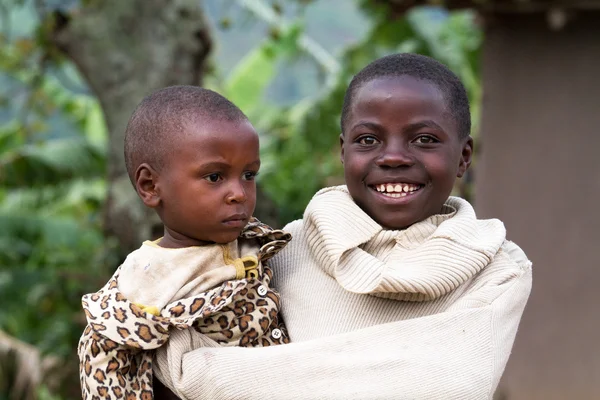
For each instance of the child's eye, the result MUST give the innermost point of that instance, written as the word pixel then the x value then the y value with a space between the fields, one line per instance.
pixel 249 176
pixel 426 139
pixel 213 177
pixel 368 140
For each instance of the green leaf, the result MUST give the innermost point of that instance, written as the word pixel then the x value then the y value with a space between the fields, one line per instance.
pixel 248 80
pixel 50 162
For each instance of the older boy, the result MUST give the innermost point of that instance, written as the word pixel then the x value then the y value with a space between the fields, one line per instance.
pixel 192 156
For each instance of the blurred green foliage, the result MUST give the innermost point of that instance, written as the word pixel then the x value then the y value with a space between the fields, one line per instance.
pixel 53 143
pixel 50 190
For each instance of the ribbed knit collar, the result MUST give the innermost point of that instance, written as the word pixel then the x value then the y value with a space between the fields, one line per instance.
pixel 439 253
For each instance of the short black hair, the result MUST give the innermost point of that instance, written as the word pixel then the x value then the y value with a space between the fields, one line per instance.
pixel 422 68
pixel 166 113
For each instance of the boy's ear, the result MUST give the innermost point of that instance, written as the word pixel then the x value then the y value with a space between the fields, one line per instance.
pixel 465 157
pixel 342 148
pixel 146 185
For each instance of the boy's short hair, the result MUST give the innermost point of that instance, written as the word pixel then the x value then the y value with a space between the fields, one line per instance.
pixel 166 113
pixel 422 68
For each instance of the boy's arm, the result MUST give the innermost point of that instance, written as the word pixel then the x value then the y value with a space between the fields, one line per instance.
pixel 458 354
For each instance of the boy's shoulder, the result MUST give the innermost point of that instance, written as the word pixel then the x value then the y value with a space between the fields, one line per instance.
pixel 515 254
pixel 294 227
pixel 296 246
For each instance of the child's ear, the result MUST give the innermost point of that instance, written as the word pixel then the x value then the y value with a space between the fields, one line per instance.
pixel 465 157
pixel 342 147
pixel 146 185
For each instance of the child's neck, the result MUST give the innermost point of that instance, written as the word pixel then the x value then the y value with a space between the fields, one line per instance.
pixel 175 240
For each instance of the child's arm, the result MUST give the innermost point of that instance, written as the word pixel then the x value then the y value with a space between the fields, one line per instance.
pixel 102 366
pixel 458 354
pixel 115 350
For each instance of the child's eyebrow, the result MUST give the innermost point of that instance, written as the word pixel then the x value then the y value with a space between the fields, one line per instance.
pixel 214 165
pixel 220 165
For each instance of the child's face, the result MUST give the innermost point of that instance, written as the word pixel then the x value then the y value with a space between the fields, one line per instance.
pixel 401 151
pixel 206 188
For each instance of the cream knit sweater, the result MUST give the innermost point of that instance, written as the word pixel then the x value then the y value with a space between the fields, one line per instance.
pixel 429 312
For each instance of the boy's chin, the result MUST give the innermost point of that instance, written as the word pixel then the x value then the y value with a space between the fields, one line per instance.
pixel 394 221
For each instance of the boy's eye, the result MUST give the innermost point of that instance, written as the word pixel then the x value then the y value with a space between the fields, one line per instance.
pixel 249 176
pixel 213 177
pixel 368 140
pixel 426 139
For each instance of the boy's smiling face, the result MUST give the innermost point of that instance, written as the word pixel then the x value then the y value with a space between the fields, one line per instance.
pixel 205 192
pixel 401 150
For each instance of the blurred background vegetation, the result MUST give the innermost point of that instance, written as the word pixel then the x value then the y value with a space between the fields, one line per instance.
pixel 71 72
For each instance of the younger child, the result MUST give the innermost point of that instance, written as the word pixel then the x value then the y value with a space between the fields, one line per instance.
pixel 192 156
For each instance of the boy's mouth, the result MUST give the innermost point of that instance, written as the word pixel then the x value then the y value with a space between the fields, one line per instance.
pixel 397 190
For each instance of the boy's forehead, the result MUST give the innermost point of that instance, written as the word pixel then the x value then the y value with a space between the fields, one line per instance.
pixel 393 96
pixel 399 86
pixel 396 94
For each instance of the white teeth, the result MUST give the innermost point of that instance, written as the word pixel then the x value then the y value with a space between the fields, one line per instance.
pixel 396 189
pixel 395 195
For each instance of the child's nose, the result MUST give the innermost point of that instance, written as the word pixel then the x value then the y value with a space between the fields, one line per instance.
pixel 237 193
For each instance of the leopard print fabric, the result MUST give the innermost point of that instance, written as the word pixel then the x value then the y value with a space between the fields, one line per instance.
pixel 116 348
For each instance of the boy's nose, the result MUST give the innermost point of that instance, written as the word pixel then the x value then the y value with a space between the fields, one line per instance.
pixel 395 156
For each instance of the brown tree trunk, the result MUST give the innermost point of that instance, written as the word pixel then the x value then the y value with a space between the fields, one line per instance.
pixel 125 50
pixel 23 368
pixel 538 172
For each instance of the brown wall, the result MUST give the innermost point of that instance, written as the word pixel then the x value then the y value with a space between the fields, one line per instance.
pixel 539 171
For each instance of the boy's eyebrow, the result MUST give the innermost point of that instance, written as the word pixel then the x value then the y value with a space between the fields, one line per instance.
pixel 428 123
pixel 366 124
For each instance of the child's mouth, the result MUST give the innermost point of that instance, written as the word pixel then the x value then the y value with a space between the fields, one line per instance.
pixel 397 190
pixel 236 221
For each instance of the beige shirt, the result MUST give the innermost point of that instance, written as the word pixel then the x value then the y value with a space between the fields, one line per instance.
pixel 155 276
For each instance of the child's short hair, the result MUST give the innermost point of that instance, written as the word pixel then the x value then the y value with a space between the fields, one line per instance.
pixel 422 68
pixel 165 113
